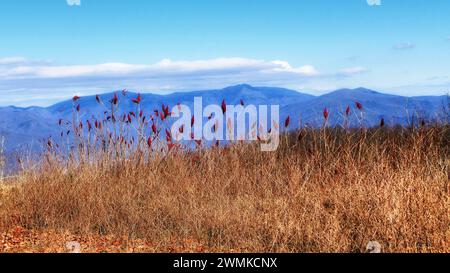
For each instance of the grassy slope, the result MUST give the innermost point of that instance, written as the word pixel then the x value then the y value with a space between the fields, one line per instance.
pixel 321 191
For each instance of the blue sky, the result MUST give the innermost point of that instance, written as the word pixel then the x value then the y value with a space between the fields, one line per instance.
pixel 51 50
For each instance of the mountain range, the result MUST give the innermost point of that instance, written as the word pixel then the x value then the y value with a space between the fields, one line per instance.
pixel 27 127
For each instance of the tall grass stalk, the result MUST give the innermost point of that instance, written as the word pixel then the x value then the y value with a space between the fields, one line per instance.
pixel 2 158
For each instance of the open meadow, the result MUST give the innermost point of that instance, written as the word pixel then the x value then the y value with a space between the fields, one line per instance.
pixel 322 190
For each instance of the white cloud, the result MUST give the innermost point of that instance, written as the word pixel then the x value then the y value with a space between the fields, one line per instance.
pixel 28 82
pixel 306 70
pixel 404 46
pixel 74 2
pixel 164 68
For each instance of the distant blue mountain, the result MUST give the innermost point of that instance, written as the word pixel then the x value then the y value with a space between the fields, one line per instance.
pixel 396 110
pixel 27 127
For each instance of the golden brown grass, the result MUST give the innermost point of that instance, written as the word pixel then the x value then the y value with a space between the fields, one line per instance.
pixel 2 157
pixel 322 191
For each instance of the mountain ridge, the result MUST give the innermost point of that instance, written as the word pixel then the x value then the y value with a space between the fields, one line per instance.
pixel 358 90
pixel 26 126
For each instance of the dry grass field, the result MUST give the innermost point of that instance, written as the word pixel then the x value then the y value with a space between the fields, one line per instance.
pixel 323 190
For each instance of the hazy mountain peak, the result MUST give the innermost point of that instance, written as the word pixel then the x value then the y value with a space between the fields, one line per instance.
pixel 241 86
pixel 359 90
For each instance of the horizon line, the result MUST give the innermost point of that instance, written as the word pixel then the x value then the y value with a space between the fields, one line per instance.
pixel 221 89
